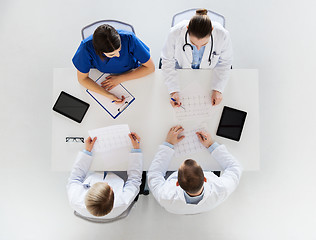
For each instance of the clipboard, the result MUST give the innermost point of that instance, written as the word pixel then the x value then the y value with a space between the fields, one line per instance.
pixel 112 108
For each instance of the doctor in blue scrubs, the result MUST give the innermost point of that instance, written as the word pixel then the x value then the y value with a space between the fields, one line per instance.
pixel 117 52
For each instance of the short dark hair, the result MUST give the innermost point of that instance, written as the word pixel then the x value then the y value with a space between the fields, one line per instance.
pixel 99 199
pixel 105 39
pixel 191 176
pixel 200 24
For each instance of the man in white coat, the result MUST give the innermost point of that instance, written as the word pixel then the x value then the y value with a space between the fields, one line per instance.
pixel 197 44
pixel 190 190
pixel 96 196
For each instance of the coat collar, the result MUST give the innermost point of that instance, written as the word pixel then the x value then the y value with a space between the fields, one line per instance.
pixel 207 192
pixel 189 53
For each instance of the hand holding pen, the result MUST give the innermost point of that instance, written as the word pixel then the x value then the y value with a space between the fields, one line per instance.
pixel 205 138
pixel 119 100
pixel 175 100
pixel 135 139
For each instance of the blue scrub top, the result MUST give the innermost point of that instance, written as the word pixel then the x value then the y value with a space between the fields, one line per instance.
pixel 133 52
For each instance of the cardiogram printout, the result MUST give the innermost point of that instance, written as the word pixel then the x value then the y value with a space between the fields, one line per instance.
pixel 110 138
pixel 196 102
pixel 190 144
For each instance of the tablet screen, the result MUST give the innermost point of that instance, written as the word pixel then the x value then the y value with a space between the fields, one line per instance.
pixel 71 107
pixel 231 123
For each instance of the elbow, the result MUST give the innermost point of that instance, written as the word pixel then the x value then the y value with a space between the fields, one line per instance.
pixel 151 68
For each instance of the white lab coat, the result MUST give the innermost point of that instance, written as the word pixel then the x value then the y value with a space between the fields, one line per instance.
pixel 124 194
pixel 216 189
pixel 172 54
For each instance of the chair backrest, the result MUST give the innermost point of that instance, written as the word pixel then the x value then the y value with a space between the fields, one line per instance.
pixel 188 14
pixel 97 220
pixel 118 25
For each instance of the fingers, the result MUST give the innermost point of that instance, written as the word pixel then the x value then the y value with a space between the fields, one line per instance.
pixel 199 136
pixel 213 101
pixel 131 136
pixel 94 139
pixel 105 82
pixel 118 100
pixel 88 140
pixel 108 84
pixel 181 138
pixel 204 135
pixel 175 104
pixel 136 135
pixel 178 128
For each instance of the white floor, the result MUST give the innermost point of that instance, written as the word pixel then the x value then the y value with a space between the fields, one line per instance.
pixel 276 37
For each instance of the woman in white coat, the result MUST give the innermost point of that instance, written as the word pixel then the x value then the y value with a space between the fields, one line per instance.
pixel 198 44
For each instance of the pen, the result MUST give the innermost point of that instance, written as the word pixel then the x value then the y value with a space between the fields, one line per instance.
pixel 133 136
pixel 202 136
pixel 176 101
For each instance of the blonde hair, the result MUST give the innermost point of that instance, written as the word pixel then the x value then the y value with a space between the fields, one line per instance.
pixel 99 199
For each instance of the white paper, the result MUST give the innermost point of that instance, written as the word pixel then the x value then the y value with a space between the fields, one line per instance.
pixel 190 144
pixel 110 138
pixel 196 102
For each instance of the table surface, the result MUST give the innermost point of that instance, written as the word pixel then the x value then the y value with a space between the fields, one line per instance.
pixel 151 116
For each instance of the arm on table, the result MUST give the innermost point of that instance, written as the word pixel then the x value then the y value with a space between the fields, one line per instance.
pixel 87 82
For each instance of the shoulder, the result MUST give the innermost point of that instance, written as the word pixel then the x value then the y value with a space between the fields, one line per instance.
pixel 219 30
pixel 179 28
pixel 126 35
pixel 86 44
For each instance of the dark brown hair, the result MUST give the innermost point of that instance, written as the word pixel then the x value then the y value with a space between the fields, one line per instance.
pixel 105 39
pixel 200 24
pixel 99 199
pixel 191 176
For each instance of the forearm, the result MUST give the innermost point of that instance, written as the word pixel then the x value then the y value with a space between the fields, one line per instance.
pixel 158 168
pixel 139 72
pixel 170 75
pixel 135 167
pixel 220 77
pixel 80 168
pixel 229 164
pixel 93 86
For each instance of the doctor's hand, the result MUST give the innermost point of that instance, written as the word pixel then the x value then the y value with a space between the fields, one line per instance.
pixel 205 138
pixel 111 81
pixel 89 143
pixel 216 97
pixel 115 99
pixel 135 139
pixel 175 96
pixel 173 135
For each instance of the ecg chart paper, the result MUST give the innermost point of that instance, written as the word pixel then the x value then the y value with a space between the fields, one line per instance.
pixel 197 103
pixel 190 144
pixel 109 138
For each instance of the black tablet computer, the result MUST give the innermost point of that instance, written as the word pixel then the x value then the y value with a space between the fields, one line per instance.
pixel 71 107
pixel 231 123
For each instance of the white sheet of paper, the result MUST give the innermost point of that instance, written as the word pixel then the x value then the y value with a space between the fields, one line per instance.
pixel 110 138
pixel 190 144
pixel 197 103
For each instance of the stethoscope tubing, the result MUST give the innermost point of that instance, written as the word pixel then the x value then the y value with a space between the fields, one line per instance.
pixel 188 44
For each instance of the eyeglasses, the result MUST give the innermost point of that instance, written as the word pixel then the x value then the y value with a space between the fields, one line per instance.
pixel 75 139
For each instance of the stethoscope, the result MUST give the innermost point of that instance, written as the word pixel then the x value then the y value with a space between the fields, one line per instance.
pixel 188 44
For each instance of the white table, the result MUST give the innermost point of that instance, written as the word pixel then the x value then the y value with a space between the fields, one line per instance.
pixel 151 116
